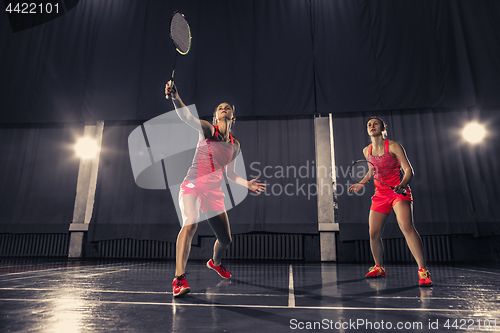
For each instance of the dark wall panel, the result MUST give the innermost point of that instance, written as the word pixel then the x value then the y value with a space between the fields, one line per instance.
pixel 109 60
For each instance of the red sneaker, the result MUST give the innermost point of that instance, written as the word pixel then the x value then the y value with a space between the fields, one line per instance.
pixel 425 278
pixel 375 272
pixel 221 270
pixel 180 285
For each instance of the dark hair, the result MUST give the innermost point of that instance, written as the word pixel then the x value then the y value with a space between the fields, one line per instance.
pixel 384 132
pixel 214 122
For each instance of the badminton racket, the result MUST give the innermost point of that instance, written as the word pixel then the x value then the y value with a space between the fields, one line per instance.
pixel 180 33
pixel 361 168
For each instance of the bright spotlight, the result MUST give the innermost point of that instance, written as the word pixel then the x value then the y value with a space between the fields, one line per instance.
pixel 86 148
pixel 474 132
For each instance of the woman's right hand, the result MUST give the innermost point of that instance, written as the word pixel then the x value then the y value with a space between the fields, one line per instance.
pixel 354 188
pixel 171 91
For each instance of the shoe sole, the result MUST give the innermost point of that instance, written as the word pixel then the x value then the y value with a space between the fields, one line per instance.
pixel 425 285
pixel 182 292
pixel 218 272
pixel 374 277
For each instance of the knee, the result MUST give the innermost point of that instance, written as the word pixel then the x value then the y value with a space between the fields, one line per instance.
pixel 190 220
pixel 189 228
pixel 225 241
pixel 375 235
pixel 407 228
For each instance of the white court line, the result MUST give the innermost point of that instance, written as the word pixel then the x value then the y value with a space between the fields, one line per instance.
pixel 475 270
pixel 278 307
pixel 419 298
pixel 31 277
pixel 60 270
pixel 33 271
pixel 95 274
pixel 135 292
pixel 45 275
pixel 291 295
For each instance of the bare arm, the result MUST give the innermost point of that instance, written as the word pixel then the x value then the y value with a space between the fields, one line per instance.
pixel 358 186
pixel 252 185
pixel 206 129
pixel 370 172
pixel 397 150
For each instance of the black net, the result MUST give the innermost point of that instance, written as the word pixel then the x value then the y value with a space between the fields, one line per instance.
pixel 180 33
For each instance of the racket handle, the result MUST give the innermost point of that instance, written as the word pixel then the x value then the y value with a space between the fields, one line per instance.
pixel 402 193
pixel 171 84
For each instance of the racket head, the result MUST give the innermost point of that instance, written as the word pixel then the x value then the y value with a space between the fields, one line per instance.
pixel 359 169
pixel 180 33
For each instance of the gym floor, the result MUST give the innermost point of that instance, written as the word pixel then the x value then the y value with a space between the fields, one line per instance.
pixel 136 296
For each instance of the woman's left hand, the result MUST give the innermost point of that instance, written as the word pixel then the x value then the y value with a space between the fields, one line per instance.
pixel 399 189
pixel 256 187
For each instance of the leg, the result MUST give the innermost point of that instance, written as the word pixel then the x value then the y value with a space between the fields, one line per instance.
pixel 404 215
pixel 376 222
pixel 220 226
pixel 190 210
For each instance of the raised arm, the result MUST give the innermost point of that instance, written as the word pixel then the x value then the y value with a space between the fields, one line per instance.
pixel 206 129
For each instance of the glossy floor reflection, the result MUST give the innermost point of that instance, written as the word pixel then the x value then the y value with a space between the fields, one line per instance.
pixel 135 296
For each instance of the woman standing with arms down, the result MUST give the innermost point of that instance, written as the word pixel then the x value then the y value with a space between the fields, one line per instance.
pixel 201 189
pixel 388 158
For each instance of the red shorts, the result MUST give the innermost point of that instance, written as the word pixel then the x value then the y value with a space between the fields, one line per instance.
pixel 211 199
pixel 384 201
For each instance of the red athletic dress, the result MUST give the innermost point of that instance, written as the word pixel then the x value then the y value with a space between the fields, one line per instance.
pixel 204 177
pixel 388 170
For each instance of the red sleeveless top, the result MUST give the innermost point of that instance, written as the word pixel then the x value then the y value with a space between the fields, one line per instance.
pixel 387 168
pixel 211 157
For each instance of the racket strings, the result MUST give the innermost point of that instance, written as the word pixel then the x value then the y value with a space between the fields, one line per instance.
pixel 180 33
pixel 359 171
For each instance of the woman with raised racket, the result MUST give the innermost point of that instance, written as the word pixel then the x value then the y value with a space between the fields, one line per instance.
pixel 201 190
pixel 388 158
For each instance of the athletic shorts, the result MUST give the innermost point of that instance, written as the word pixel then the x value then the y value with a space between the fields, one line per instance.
pixel 384 201
pixel 211 200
